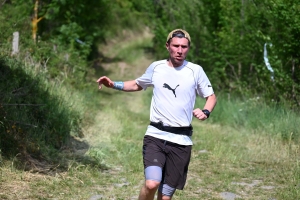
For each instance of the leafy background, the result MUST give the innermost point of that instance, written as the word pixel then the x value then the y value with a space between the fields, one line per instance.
pixel 228 39
pixel 52 120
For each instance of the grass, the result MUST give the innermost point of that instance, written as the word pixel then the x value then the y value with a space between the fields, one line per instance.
pixel 240 149
pixel 258 115
pixel 35 116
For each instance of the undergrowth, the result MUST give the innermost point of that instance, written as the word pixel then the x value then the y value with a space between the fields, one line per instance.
pixel 35 119
pixel 255 113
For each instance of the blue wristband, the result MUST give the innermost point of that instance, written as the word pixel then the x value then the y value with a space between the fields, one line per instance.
pixel 118 85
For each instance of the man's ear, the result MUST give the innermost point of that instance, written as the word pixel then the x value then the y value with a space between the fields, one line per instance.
pixel 167 46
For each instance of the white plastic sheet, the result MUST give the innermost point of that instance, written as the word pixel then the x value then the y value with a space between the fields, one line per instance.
pixel 267 61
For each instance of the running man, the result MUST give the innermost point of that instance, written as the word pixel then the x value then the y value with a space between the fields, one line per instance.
pixel 168 140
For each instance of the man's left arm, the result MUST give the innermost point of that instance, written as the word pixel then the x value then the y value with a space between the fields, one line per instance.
pixel 210 103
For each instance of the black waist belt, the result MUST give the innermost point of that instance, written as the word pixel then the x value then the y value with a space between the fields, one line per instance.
pixel 184 130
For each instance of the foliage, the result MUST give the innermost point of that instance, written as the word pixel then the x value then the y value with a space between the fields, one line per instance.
pixel 74 20
pixel 33 120
pixel 234 151
pixel 60 61
pixel 39 120
pixel 228 39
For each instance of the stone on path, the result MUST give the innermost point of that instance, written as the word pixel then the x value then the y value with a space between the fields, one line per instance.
pixel 228 196
pixel 96 197
pixel 203 151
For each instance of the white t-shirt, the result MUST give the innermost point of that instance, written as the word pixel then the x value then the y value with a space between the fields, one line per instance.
pixel 174 95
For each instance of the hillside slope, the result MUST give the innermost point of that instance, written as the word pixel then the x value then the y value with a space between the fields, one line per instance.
pixel 227 162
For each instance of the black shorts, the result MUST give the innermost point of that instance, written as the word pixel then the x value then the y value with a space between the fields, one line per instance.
pixel 173 158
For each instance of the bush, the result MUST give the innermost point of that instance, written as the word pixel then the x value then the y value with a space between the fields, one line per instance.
pixel 33 120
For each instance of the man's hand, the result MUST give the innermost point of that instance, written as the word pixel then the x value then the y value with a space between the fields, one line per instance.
pixel 199 114
pixel 211 102
pixel 105 81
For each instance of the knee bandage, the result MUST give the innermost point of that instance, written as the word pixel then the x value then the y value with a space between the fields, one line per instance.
pixel 153 173
pixel 166 190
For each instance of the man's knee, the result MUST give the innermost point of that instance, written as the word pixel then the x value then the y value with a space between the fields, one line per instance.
pixel 151 185
pixel 163 197
pixel 166 198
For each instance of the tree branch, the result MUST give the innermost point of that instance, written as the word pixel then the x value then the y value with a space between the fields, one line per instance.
pixel 16 122
pixel 23 104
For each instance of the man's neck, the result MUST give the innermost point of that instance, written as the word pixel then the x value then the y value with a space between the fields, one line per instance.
pixel 171 63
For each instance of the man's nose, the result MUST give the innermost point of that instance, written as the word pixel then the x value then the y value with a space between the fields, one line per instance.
pixel 179 50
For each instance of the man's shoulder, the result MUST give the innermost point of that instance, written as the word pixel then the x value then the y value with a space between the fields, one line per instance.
pixel 154 65
pixel 193 66
pixel 158 62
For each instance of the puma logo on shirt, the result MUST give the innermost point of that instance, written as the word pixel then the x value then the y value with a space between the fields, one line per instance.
pixel 168 87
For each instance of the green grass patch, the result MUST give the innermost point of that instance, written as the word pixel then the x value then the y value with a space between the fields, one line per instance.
pixel 257 115
pixel 36 117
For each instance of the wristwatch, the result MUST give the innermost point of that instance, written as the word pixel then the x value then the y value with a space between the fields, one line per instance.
pixel 206 112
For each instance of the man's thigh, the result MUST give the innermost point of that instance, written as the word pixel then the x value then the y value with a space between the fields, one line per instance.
pixel 153 152
pixel 176 166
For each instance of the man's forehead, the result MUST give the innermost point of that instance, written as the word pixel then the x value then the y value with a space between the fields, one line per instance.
pixel 179 41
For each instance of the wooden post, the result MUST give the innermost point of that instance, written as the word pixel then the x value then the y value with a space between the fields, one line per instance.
pixel 15 43
pixel 35 20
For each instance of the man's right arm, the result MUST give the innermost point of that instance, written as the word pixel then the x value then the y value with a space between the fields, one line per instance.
pixel 127 86
pixel 131 86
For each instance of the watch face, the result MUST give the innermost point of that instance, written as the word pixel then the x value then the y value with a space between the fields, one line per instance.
pixel 206 112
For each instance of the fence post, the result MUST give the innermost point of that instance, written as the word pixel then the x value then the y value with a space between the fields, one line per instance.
pixel 15 43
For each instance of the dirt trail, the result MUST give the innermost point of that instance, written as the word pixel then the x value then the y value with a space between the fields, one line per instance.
pixel 104 123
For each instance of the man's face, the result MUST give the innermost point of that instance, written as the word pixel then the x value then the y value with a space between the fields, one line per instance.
pixel 178 49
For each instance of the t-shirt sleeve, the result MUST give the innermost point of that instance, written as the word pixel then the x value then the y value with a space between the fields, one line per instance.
pixel 204 87
pixel 146 79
